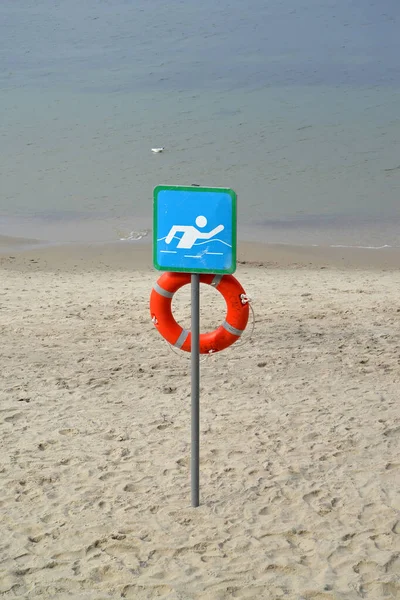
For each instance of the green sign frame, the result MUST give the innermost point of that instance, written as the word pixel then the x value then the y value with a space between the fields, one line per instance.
pixel 176 209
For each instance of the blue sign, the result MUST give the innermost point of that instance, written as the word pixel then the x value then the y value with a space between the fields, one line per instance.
pixel 194 229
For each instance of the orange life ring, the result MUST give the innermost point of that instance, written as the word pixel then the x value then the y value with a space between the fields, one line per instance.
pixel 226 334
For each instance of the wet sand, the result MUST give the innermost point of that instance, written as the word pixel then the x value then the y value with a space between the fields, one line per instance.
pixel 17 253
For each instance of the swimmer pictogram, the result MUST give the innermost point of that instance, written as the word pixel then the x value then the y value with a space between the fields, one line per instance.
pixel 191 234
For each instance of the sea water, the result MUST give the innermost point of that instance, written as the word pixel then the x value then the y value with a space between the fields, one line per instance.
pixel 294 105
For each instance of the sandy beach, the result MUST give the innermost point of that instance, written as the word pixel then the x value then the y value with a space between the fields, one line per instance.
pixel 300 430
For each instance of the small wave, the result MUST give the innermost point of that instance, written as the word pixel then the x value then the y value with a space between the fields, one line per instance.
pixel 361 247
pixel 135 236
pixel 175 237
pixel 198 243
pixel 212 240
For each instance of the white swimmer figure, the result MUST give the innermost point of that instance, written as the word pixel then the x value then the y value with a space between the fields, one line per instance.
pixel 191 234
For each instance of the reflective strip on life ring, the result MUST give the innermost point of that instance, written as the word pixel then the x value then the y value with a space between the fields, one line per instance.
pixel 226 334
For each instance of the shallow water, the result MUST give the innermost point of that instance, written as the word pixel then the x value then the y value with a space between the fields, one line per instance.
pixel 295 109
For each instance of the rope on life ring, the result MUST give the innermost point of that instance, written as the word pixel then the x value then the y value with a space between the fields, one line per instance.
pixel 225 335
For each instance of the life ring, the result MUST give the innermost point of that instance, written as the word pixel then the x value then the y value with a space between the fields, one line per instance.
pixel 226 334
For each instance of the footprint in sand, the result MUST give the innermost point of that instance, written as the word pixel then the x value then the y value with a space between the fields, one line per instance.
pixel 107 476
pixel 129 487
pixel 68 431
pixel 15 417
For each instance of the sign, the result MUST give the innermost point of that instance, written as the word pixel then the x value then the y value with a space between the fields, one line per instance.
pixel 194 229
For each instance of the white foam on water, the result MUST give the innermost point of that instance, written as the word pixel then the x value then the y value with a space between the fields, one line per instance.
pixel 135 236
pixel 361 247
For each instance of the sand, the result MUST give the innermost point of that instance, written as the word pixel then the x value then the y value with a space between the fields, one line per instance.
pixel 300 429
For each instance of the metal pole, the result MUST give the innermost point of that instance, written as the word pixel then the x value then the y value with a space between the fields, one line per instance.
pixel 195 364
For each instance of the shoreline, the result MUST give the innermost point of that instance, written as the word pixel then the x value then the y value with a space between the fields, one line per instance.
pixel 26 255
pixel 319 231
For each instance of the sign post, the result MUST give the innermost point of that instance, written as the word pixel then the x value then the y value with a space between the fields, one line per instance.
pixel 195 412
pixel 194 231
